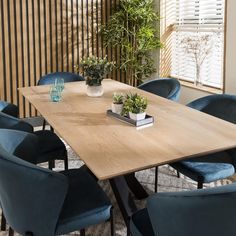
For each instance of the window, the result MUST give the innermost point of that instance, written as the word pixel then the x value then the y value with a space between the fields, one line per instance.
pixel 196 41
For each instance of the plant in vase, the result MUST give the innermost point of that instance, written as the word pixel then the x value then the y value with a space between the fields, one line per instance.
pixel 95 69
pixel 117 104
pixel 198 46
pixel 135 106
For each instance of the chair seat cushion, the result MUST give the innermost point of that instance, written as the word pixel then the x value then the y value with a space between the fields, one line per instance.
pixel 85 204
pixel 51 146
pixel 207 169
pixel 140 224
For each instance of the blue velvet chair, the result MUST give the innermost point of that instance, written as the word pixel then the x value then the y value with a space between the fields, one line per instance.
pixel 50 147
pixel 38 201
pixel 50 79
pixel 209 168
pixel 205 212
pixel 9 108
pixel 12 110
pixel 67 76
pixel 165 87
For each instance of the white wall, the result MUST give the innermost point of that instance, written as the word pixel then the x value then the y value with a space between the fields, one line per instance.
pixel 230 67
pixel 189 94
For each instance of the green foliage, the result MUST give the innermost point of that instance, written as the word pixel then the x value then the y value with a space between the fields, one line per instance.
pixel 118 98
pixel 95 69
pixel 133 28
pixel 135 103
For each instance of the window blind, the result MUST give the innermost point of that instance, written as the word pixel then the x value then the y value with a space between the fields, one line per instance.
pixel 200 22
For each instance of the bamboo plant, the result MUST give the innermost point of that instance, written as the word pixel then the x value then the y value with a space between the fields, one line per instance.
pixel 133 29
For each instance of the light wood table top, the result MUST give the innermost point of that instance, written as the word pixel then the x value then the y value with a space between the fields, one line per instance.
pixel 110 147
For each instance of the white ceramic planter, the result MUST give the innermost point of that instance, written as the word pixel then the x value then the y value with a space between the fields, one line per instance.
pixel 139 116
pixel 117 108
pixel 94 91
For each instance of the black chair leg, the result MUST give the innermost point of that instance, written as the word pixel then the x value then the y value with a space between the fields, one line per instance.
pixel 82 232
pixel 66 163
pixel 3 223
pixel 156 179
pixel 128 231
pixel 112 223
pixel 178 175
pixel 199 185
pixel 44 124
pixel 51 164
pixel 11 232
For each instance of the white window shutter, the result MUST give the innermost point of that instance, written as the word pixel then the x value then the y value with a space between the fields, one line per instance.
pixel 195 18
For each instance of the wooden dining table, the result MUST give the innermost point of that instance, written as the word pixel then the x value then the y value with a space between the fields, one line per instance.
pixel 112 149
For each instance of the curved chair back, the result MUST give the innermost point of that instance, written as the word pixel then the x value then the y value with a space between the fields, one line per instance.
pixel 67 76
pixel 166 87
pixel 208 212
pixel 10 122
pixel 31 197
pixel 22 144
pixel 9 108
pixel 222 106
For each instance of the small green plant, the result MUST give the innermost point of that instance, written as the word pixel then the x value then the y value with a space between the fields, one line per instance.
pixel 118 98
pixel 95 69
pixel 134 103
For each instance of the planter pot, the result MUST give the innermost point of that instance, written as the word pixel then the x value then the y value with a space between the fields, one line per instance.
pixel 117 108
pixel 95 91
pixel 139 116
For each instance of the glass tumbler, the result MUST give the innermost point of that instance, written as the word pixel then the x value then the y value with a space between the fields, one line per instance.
pixel 59 83
pixel 55 94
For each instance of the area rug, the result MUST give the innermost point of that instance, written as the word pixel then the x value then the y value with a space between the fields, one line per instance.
pixel 168 181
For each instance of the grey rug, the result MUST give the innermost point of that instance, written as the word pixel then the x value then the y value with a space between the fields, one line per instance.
pixel 168 181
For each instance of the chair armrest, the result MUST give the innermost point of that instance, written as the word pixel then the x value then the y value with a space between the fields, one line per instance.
pixel 10 122
pixel 9 108
pixel 23 145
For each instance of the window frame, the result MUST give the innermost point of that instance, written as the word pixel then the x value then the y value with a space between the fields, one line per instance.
pixel 188 83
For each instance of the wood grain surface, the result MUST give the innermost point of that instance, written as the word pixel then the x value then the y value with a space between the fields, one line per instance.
pixel 111 148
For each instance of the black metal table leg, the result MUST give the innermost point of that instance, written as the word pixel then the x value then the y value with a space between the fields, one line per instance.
pixel 123 198
pixel 135 186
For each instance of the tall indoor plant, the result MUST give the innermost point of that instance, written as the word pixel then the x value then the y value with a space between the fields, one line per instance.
pixel 134 29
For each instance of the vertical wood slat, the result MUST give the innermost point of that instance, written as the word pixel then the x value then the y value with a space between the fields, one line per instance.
pixel 43 36
pixel 3 52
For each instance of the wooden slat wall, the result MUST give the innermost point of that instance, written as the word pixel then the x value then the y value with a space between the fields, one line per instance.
pixel 43 36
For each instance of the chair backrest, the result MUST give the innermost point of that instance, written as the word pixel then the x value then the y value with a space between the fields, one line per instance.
pixel 31 197
pixel 207 212
pixel 67 76
pixel 165 87
pixel 9 108
pixel 22 144
pixel 222 106
pixel 10 122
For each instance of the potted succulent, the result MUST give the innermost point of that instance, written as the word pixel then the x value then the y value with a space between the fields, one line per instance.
pixel 117 104
pixel 95 69
pixel 135 106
